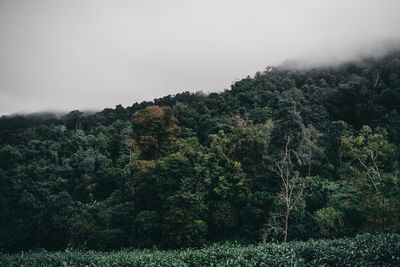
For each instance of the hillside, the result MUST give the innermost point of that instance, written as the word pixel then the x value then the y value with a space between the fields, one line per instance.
pixel 288 154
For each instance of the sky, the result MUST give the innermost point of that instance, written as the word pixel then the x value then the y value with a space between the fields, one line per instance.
pixel 92 54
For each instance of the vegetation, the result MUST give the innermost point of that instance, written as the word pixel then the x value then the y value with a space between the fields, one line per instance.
pixel 365 250
pixel 286 155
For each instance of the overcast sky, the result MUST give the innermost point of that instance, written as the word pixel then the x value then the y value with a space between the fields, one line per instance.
pixel 93 54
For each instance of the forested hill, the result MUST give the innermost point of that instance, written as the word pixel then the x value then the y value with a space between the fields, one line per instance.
pixel 287 154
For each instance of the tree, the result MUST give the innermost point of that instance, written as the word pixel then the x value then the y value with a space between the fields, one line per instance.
pixel 309 146
pixel 329 220
pixel 154 128
pixel 229 188
pixel 146 229
pixel 249 144
pixel 73 120
pixel 293 191
pixel 369 167
pixel 369 151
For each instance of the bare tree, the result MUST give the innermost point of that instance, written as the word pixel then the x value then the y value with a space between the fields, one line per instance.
pixel 293 191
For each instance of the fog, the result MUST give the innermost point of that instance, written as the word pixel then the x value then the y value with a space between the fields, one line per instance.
pixel 93 54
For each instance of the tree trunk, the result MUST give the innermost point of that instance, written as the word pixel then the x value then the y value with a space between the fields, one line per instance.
pixel 285 233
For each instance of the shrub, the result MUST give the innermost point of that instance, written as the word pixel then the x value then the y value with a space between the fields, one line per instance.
pixel 363 250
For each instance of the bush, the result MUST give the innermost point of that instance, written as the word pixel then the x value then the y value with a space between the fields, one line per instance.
pixel 364 250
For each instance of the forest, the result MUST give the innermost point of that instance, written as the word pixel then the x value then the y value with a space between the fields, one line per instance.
pixel 286 155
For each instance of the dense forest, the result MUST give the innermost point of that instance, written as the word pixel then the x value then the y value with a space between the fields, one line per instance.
pixel 289 154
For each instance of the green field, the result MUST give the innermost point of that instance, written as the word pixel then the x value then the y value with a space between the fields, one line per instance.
pixel 363 250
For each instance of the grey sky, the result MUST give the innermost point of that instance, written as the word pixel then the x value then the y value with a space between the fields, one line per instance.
pixel 92 54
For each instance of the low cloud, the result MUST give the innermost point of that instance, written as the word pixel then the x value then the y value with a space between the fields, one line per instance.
pixel 92 54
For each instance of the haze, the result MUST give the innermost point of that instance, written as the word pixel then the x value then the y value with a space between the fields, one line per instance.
pixel 93 54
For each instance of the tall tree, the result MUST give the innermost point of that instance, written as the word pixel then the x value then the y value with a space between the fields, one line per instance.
pixel 154 128
pixel 292 193
pixel 370 168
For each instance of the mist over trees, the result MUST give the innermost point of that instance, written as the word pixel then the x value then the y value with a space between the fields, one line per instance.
pixel 288 154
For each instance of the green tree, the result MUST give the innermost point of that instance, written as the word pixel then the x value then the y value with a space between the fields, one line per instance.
pixel 330 221
pixel 370 168
pixel 154 128
pixel 228 185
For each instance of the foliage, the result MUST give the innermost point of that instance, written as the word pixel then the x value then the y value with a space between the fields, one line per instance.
pixel 193 168
pixel 371 170
pixel 330 221
pixel 364 250
pixel 153 128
